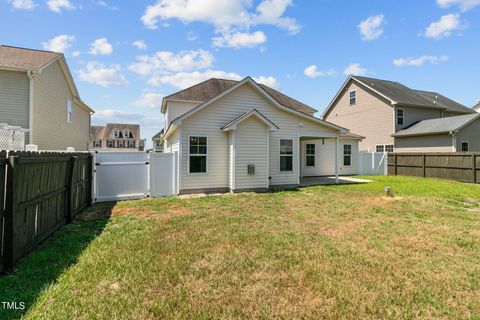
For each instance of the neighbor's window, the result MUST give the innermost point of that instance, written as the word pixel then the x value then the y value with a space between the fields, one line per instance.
pixel 69 111
pixel 465 146
pixel 380 148
pixel 110 144
pixel 310 157
pixel 389 148
pixel 400 117
pixel 131 143
pixel 353 97
pixel 286 155
pixel 126 133
pixel 121 143
pixel 116 133
pixel 198 154
pixel 347 154
pixel 97 143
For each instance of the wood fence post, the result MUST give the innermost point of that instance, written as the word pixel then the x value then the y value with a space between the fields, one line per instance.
pixel 474 168
pixel 69 200
pixel 423 165
pixel 10 207
pixel 395 167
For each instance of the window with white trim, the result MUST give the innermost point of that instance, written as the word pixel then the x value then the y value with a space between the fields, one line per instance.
pixel 131 143
pixel 69 111
pixel 97 143
pixel 347 155
pixel 353 97
pixel 110 144
pixel 286 155
pixel 400 117
pixel 121 143
pixel 310 155
pixel 389 148
pixel 126 133
pixel 379 148
pixel 198 154
pixel 465 146
pixel 116 133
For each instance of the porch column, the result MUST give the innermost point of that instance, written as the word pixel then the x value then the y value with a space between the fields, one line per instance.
pixel 336 160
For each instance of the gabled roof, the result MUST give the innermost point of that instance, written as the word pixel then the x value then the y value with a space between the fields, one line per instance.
pixel 25 59
pixel 477 107
pixel 401 95
pixel 254 112
pixel 211 88
pixel 436 126
pixel 106 132
pixel 158 135
pixel 261 91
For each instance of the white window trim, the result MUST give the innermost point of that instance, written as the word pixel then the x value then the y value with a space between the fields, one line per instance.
pixel 309 155
pixel 385 148
pixel 69 111
pixel 349 97
pixel 468 146
pixel 126 133
pixel 280 155
pixel 396 116
pixel 351 155
pixel 380 145
pixel 188 158
pixel 116 135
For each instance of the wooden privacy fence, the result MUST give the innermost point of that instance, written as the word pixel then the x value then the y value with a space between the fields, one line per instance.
pixel 463 167
pixel 43 192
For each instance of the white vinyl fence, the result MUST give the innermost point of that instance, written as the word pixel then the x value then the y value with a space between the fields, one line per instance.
pixel 133 175
pixel 372 163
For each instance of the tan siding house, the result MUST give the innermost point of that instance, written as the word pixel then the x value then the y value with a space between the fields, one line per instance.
pixel 117 137
pixel 378 109
pixel 38 93
pixel 242 138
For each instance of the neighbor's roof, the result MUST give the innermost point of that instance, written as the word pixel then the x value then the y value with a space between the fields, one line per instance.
pixel 106 132
pixel 477 106
pixel 211 88
pixel 440 125
pixel 158 135
pixel 25 59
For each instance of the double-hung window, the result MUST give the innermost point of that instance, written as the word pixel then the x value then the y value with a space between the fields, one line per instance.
pixel 465 146
pixel 110 144
pixel 198 154
pixel 353 97
pixel 69 111
pixel 389 148
pixel 347 154
pixel 380 148
pixel 400 117
pixel 131 143
pixel 286 155
pixel 310 155
pixel 97 143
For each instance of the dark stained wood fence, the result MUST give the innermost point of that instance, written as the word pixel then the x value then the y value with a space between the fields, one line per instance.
pixel 43 192
pixel 3 163
pixel 463 167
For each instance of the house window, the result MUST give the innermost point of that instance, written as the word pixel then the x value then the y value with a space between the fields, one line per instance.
pixel 131 143
pixel 400 117
pixel 465 146
pixel 286 155
pixel 347 155
pixel 97 143
pixel 198 154
pixel 353 97
pixel 389 148
pixel 69 111
pixel 116 133
pixel 380 148
pixel 121 144
pixel 310 157
pixel 110 144
pixel 126 133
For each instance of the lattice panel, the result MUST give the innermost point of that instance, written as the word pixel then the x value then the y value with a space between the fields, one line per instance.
pixel 11 139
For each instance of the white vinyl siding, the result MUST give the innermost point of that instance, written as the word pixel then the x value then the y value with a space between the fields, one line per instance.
pixel 215 116
pixel 175 109
pixel 251 149
pixel 14 98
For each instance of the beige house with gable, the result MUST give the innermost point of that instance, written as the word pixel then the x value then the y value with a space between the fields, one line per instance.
pixel 37 92
pixel 241 135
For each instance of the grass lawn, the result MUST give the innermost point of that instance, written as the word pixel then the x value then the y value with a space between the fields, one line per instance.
pixel 320 252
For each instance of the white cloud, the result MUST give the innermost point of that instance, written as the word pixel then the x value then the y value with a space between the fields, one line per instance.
pixel 113 115
pixel 166 61
pixel 417 62
pixel 463 4
pixel 59 43
pixel 140 45
pixel 240 39
pixel 268 81
pixel 58 5
pixel 23 4
pixel 101 46
pixel 444 27
pixel 149 100
pixel 312 72
pixel 102 75
pixel 192 36
pixel 354 69
pixel 76 54
pixel 371 28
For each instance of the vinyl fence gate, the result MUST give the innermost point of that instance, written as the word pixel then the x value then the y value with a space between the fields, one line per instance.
pixel 133 175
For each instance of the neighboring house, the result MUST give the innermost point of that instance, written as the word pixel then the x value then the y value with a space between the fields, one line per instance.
pixel 477 107
pixel 37 92
pixel 116 137
pixel 380 109
pixel 158 142
pixel 241 135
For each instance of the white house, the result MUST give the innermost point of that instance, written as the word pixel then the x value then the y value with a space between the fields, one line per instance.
pixel 241 135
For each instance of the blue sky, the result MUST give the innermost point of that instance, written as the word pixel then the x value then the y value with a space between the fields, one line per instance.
pixel 126 55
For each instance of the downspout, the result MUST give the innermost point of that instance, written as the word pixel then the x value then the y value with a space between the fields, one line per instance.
pixel 30 75
pixel 454 141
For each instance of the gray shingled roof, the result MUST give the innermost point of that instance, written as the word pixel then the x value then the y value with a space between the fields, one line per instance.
pixel 404 95
pixel 26 59
pixel 439 125
pixel 211 88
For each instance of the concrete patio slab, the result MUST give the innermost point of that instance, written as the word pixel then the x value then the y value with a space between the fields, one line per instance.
pixel 319 181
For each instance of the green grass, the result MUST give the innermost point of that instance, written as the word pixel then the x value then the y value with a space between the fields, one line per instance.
pixel 320 252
